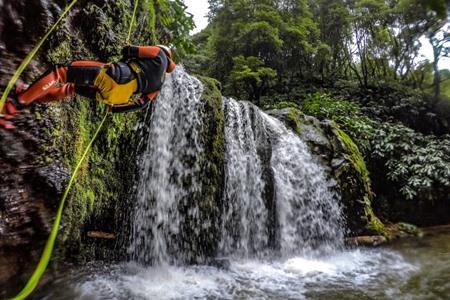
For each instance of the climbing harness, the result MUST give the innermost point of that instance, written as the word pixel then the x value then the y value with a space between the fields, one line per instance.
pixel 46 254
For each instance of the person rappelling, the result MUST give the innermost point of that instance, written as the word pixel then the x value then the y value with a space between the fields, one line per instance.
pixel 142 70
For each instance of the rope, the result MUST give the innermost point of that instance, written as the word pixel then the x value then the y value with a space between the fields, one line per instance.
pixel 136 2
pixel 30 56
pixel 47 253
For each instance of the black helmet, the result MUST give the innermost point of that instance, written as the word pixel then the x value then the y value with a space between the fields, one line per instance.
pixel 166 50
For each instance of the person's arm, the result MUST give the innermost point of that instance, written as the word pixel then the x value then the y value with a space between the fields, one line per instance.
pixel 146 52
pixel 140 51
pixel 171 66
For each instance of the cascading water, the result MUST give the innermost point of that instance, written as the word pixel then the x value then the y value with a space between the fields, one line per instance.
pixel 245 216
pixel 166 168
pixel 308 214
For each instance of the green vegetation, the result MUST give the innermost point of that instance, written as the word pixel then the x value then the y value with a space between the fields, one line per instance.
pixel 416 164
pixel 345 113
pixel 211 174
pixel 374 224
pixel 293 119
pixel 259 48
pixel 274 52
pixel 408 228
pixel 355 157
pixel 250 75
pixel 216 119
pixel 101 180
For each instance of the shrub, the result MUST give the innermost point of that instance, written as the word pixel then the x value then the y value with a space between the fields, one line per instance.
pixel 416 163
pixel 346 114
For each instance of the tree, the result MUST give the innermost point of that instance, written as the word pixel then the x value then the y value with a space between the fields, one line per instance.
pixel 371 41
pixel 333 17
pixel 173 24
pixel 440 41
pixel 250 75
pixel 430 18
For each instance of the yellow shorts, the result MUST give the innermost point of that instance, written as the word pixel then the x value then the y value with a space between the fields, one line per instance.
pixel 112 93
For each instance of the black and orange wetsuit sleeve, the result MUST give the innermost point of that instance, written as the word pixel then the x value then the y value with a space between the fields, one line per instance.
pixel 146 52
pixel 171 66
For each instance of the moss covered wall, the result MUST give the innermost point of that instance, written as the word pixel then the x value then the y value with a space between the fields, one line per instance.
pixel 98 200
pixel 51 138
pixel 352 153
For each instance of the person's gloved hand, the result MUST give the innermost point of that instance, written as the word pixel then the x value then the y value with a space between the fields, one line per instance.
pixel 130 52
pixel 11 108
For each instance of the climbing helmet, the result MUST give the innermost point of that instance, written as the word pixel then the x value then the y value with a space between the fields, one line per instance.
pixel 166 50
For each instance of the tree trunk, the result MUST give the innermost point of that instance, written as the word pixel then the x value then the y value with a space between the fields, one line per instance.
pixel 436 80
pixel 436 76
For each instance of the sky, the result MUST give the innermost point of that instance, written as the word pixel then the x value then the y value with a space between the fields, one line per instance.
pixel 199 9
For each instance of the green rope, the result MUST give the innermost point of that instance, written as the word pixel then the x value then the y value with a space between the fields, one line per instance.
pixel 30 56
pixel 47 253
pixel 136 2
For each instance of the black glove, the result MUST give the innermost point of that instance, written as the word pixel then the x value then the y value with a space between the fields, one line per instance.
pixel 130 52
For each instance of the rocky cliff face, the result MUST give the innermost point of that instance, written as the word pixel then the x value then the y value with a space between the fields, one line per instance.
pixel 37 158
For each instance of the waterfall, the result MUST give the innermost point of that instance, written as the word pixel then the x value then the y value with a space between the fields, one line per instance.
pixel 308 216
pixel 245 217
pixel 167 165
pixel 276 196
pixel 278 218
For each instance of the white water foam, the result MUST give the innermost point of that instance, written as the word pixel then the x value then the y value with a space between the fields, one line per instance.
pixel 309 213
pixel 376 274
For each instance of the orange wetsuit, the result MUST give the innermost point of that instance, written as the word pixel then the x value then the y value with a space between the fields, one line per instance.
pixel 142 72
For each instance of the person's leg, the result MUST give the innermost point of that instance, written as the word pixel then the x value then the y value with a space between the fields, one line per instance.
pixel 56 93
pixel 63 81
pixel 83 74
pixel 46 83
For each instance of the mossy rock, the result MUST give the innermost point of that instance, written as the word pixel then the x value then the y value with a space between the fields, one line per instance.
pixel 401 230
pixel 343 162
pixel 204 241
pixel 355 186
pixel 104 178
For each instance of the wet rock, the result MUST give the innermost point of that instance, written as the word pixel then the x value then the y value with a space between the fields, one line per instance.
pixel 51 179
pixel 11 148
pixel 220 263
pixel 25 220
pixel 369 241
pixel 337 162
